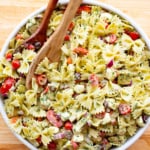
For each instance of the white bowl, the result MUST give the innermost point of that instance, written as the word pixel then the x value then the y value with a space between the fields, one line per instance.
pixel 131 140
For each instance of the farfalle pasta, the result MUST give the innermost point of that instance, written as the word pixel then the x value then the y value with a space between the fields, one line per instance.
pixel 96 97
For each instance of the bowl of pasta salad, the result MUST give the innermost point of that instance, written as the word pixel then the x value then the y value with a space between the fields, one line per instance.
pixel 97 97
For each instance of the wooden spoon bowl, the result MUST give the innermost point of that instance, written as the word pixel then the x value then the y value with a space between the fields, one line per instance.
pixel 40 34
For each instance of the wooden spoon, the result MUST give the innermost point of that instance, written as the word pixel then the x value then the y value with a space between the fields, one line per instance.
pixel 52 48
pixel 40 34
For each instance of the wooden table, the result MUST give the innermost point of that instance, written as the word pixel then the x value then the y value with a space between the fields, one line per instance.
pixel 12 12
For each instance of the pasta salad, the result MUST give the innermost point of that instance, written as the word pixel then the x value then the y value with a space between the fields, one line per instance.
pixel 95 98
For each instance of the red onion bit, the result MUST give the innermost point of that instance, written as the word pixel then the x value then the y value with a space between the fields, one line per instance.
pixel 59 136
pixel 110 64
pixel 145 118
pixel 62 135
pixel 130 83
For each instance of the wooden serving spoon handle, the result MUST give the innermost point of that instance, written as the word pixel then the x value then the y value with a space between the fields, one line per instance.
pixel 52 47
pixel 58 37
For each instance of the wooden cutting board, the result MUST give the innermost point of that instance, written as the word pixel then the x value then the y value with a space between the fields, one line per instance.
pixel 13 11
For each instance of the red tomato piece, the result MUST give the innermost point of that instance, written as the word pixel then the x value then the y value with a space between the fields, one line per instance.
pixel 54 119
pixel 9 81
pixel 41 79
pixel 69 60
pixel 52 146
pixel 68 125
pixel 67 37
pixel 84 8
pixel 14 119
pixel 81 51
pixel 4 89
pixel 19 36
pixel 7 84
pixel 9 56
pixel 15 64
pixel 94 80
pixel 127 31
pixel 134 35
pixel 39 140
pixel 30 47
pixel 124 109
pixel 71 26
pixel 74 145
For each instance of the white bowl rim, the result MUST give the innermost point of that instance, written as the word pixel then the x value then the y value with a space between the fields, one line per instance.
pixel 131 140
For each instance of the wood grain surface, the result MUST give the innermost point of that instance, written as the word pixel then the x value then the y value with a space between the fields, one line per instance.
pixel 13 11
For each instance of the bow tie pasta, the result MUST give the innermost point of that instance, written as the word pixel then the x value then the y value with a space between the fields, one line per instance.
pixel 96 97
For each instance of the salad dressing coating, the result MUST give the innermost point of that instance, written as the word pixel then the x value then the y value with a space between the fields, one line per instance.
pixel 95 98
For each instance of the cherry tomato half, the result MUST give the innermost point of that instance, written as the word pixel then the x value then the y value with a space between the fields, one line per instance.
pixel 71 26
pixel 134 35
pixel 67 37
pixel 30 47
pixel 9 56
pixel 6 85
pixel 15 64
pixel 68 125
pixel 124 109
